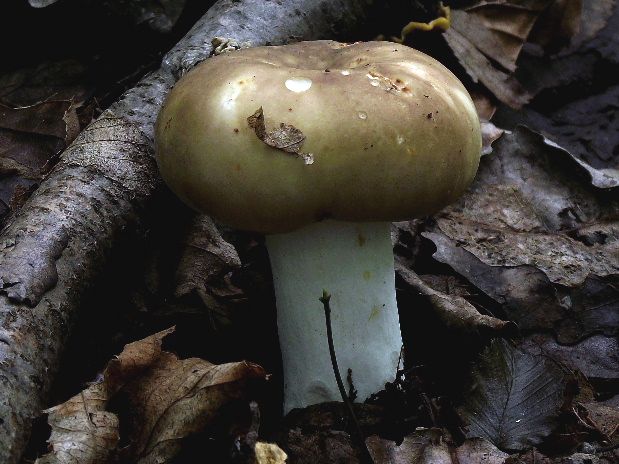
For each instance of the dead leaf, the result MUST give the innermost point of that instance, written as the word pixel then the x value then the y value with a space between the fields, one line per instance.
pixel 176 398
pixel 520 208
pixel 596 357
pixel 514 397
pixel 532 301
pixel 453 310
pixel 604 418
pixel 286 138
pixel 495 31
pixel 478 450
pixel 38 119
pixel 269 453
pixel 557 25
pixel 325 447
pixel 206 262
pixel 65 80
pixel 588 131
pixel 82 431
pixel 489 134
pixel 170 399
pixel 425 446
pixel 503 85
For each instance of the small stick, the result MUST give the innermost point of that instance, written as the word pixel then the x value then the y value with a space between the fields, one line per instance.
pixel 366 457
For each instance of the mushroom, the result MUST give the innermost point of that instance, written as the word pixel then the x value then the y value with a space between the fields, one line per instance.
pixel 320 145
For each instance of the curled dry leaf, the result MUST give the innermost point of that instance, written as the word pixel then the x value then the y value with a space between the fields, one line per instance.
pixel 286 138
pixel 179 397
pixel 82 429
pixel 206 260
pixel 514 397
pixel 587 131
pixel 529 298
pixel 489 134
pixel 170 398
pixel 453 310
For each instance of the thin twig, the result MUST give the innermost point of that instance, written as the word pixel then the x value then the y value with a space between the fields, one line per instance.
pixel 366 457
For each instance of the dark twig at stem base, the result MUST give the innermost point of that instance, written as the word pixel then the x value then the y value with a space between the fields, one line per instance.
pixel 366 458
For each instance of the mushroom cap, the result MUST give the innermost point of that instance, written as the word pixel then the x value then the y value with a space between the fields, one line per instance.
pixel 273 138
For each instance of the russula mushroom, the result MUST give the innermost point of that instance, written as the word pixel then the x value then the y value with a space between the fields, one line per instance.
pixel 320 145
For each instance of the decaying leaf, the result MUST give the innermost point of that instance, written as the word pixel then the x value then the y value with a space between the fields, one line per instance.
pixel 596 357
pixel 557 25
pixel 326 447
pixel 82 431
pixel 479 451
pixel 206 261
pixel 532 301
pixel 514 397
pixel 495 31
pixel 588 131
pixel 287 138
pixel 453 310
pixel 170 398
pixel 524 209
pixel 503 85
pixel 489 134
pixel 425 446
pixel 269 453
pixel 604 418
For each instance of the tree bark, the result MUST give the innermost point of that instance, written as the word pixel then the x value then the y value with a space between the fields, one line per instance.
pixel 53 249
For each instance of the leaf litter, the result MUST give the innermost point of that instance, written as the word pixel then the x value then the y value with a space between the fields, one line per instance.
pixel 169 399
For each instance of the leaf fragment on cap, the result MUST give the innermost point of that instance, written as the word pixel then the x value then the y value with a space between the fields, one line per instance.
pixel 286 137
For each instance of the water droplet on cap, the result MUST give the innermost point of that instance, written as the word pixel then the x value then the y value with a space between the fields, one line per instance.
pixel 298 84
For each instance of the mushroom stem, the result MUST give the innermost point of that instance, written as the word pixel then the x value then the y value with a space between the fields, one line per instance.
pixel 354 261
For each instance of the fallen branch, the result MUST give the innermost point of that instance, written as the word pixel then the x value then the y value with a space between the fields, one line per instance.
pixel 53 249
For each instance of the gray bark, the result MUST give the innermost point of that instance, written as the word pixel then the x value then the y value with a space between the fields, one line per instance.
pixel 52 250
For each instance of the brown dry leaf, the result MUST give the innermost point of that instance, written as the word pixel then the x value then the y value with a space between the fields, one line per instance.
pixel 179 397
pixel 287 138
pixel 484 104
pixel 453 310
pixel 269 453
pixel 170 398
pixel 325 447
pixel 82 430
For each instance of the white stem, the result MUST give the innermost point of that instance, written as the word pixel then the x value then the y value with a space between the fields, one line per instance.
pixel 354 263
